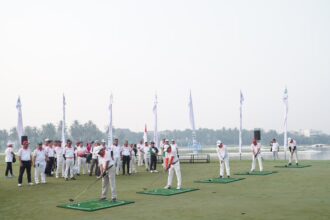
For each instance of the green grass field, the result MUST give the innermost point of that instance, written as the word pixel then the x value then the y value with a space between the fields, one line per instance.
pixel 289 194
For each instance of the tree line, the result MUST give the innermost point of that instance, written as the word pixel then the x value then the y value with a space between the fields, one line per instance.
pixel 88 131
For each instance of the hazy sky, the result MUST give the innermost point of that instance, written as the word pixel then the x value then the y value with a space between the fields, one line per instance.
pixel 88 49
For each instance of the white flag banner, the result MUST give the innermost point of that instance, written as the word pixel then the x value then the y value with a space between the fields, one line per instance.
pixel 145 134
pixel 19 128
pixel 240 123
pixel 191 113
pixel 110 136
pixel 286 106
pixel 63 122
pixel 155 123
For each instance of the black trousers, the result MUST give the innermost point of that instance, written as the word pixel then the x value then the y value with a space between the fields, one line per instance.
pixel 95 163
pixel 153 162
pixel 126 160
pixel 26 165
pixel 9 168
pixel 49 166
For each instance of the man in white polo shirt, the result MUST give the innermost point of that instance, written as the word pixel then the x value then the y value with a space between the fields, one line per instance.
pixel 256 155
pixel 140 153
pixel 172 164
pixel 223 158
pixel 108 174
pixel 9 155
pixel 126 157
pixel 24 158
pixel 81 154
pixel 60 163
pixel 39 163
pixel 69 157
pixel 116 149
pixel 293 151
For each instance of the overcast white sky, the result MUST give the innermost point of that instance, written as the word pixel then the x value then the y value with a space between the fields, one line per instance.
pixel 88 49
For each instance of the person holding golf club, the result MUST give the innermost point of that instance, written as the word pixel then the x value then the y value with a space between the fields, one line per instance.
pixel 69 157
pixel 256 155
pixel 108 174
pixel 172 165
pixel 39 161
pixel 223 158
pixel 293 151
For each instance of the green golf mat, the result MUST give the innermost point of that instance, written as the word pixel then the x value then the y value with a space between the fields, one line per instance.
pixel 166 192
pixel 257 173
pixel 219 180
pixel 293 166
pixel 93 205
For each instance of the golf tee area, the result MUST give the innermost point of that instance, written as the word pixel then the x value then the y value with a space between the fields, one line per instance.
pixel 287 194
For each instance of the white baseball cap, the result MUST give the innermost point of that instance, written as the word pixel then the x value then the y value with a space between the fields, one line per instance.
pixel 219 142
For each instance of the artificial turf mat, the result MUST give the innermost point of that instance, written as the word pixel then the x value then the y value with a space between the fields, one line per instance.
pixel 257 173
pixel 166 192
pixel 293 166
pixel 219 180
pixel 93 205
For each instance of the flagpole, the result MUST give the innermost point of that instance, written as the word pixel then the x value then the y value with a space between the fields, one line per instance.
pixel 145 134
pixel 110 136
pixel 63 122
pixel 286 109
pixel 19 128
pixel 240 125
pixel 192 123
pixel 155 123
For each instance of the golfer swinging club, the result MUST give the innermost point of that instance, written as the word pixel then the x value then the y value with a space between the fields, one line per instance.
pixel 172 164
pixel 223 158
pixel 108 174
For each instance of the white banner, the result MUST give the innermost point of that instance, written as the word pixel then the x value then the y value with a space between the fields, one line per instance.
pixel 191 113
pixel 63 122
pixel 110 136
pixel 155 123
pixel 240 123
pixel 145 134
pixel 286 110
pixel 19 128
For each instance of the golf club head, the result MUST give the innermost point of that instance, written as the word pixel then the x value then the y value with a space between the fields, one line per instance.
pixel 71 200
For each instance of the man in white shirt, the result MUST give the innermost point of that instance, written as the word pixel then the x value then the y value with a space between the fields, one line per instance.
pixel 60 163
pixel 133 159
pixel 172 165
pixel 9 154
pixel 81 156
pixel 140 153
pixel 256 155
pixel 126 157
pixel 69 157
pixel 223 158
pixel 108 174
pixel 51 156
pixel 24 158
pixel 39 163
pixel 275 149
pixel 95 162
pixel 146 153
pixel 293 151
pixel 116 149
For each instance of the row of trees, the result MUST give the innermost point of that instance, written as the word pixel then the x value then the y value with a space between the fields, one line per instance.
pixel 89 131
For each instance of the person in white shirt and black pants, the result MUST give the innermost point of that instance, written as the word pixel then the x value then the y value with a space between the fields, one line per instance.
pixel 126 156
pixel 9 153
pixel 25 158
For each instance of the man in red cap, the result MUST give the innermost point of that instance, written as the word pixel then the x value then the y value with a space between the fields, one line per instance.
pixel 24 158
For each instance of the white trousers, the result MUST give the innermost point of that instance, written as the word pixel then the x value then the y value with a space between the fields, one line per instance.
pixel 60 164
pixel 140 159
pixel 224 163
pixel 40 170
pixel 254 163
pixel 117 165
pixel 293 155
pixel 147 162
pixel 82 165
pixel 275 155
pixel 69 163
pixel 107 180
pixel 174 168
pixel 132 165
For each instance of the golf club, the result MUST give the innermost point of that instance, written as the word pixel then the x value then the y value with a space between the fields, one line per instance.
pixel 89 186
